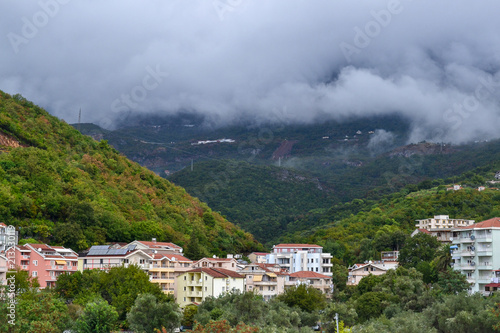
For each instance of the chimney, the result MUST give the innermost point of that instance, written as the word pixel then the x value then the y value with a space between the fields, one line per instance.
pixel 154 240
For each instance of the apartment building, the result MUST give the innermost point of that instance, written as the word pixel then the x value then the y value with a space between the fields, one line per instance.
pixel 3 270
pixel 318 281
pixel 197 284
pixel 301 257
pixel 225 263
pixel 258 257
pixel 156 247
pixel 440 226
pixel 8 236
pixel 44 262
pixel 267 280
pixel 476 252
pixel 165 268
pixel 105 257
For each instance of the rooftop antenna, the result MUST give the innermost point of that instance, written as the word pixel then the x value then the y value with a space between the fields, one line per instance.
pixel 79 119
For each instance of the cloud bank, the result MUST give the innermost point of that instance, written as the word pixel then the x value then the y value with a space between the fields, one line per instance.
pixel 436 63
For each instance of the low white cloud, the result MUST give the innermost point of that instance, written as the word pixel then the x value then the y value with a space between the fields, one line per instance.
pixel 435 63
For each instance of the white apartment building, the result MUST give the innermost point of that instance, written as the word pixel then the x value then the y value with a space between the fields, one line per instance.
pixel 441 225
pixel 476 252
pixel 301 257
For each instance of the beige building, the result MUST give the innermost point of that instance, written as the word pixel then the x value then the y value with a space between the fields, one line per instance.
pixel 197 284
pixel 165 268
pixel 359 271
pixel 225 263
pixel 258 257
pixel 106 256
pixel 157 247
pixel 319 281
pixel 267 280
pixel 440 226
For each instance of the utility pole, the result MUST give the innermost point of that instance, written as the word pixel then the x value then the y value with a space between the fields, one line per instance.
pixel 191 164
pixel 337 321
pixel 79 119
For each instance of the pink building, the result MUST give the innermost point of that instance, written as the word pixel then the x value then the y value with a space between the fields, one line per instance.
pixel 44 262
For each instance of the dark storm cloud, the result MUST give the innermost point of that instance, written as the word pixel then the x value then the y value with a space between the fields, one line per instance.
pixel 436 63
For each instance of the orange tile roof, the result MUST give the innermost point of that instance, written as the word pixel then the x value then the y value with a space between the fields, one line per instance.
pixel 425 231
pixel 260 253
pixel 491 223
pixel 2 224
pixel 309 274
pixel 298 245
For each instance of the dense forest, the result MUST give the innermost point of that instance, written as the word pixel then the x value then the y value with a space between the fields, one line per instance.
pixel 61 187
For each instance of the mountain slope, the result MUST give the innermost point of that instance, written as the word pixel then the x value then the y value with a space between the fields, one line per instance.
pixel 262 200
pixel 62 187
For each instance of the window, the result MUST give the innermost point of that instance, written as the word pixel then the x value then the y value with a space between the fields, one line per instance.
pixel 35 262
pixel 102 261
pixel 316 269
pixel 184 288
pixel 184 299
pixel 35 273
pixel 184 277
pixel 206 289
pixel 223 288
pixel 125 261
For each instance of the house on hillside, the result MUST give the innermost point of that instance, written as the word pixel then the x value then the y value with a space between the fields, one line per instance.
pixel 258 257
pixel 301 257
pixel 44 262
pixel 165 268
pixel 157 247
pixel 440 226
pixel 318 281
pixel 197 284
pixel 267 280
pixel 225 263
pixel 105 257
pixel 359 271
pixel 497 175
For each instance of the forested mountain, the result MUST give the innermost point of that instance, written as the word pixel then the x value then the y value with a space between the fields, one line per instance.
pixel 61 187
pixel 263 200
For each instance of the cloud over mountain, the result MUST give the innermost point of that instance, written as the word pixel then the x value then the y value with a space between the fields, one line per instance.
pixel 436 63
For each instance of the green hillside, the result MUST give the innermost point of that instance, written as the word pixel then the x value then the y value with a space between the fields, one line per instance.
pixel 263 200
pixel 358 230
pixel 61 187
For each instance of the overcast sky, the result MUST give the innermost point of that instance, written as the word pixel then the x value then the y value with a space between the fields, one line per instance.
pixel 436 62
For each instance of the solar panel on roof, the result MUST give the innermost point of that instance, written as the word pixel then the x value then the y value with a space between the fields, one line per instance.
pixel 131 247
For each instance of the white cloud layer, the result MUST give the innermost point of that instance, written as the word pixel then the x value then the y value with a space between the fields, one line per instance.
pixel 437 63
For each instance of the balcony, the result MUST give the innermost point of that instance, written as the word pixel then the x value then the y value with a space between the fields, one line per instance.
pixel 161 268
pixel 485 239
pixel 485 253
pixel 194 293
pixel 484 279
pixel 265 283
pixel 485 266
pixel 467 267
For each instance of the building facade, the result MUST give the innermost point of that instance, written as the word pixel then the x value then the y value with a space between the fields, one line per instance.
pixel 8 237
pixel 104 257
pixel 3 270
pixel 476 252
pixel 44 262
pixel 318 281
pixel 301 257
pixel 224 263
pixel 441 226
pixel 267 280
pixel 197 284
pixel 165 268
pixel 359 271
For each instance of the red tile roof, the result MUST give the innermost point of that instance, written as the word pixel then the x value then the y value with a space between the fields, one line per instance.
pixel 260 253
pixel 493 285
pixel 298 245
pixel 177 257
pixel 309 274
pixel 491 223
pixel 424 231
pixel 159 244
pixel 2 224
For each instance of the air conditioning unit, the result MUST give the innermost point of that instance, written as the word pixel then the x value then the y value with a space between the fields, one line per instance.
pixel 472 253
pixel 200 280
